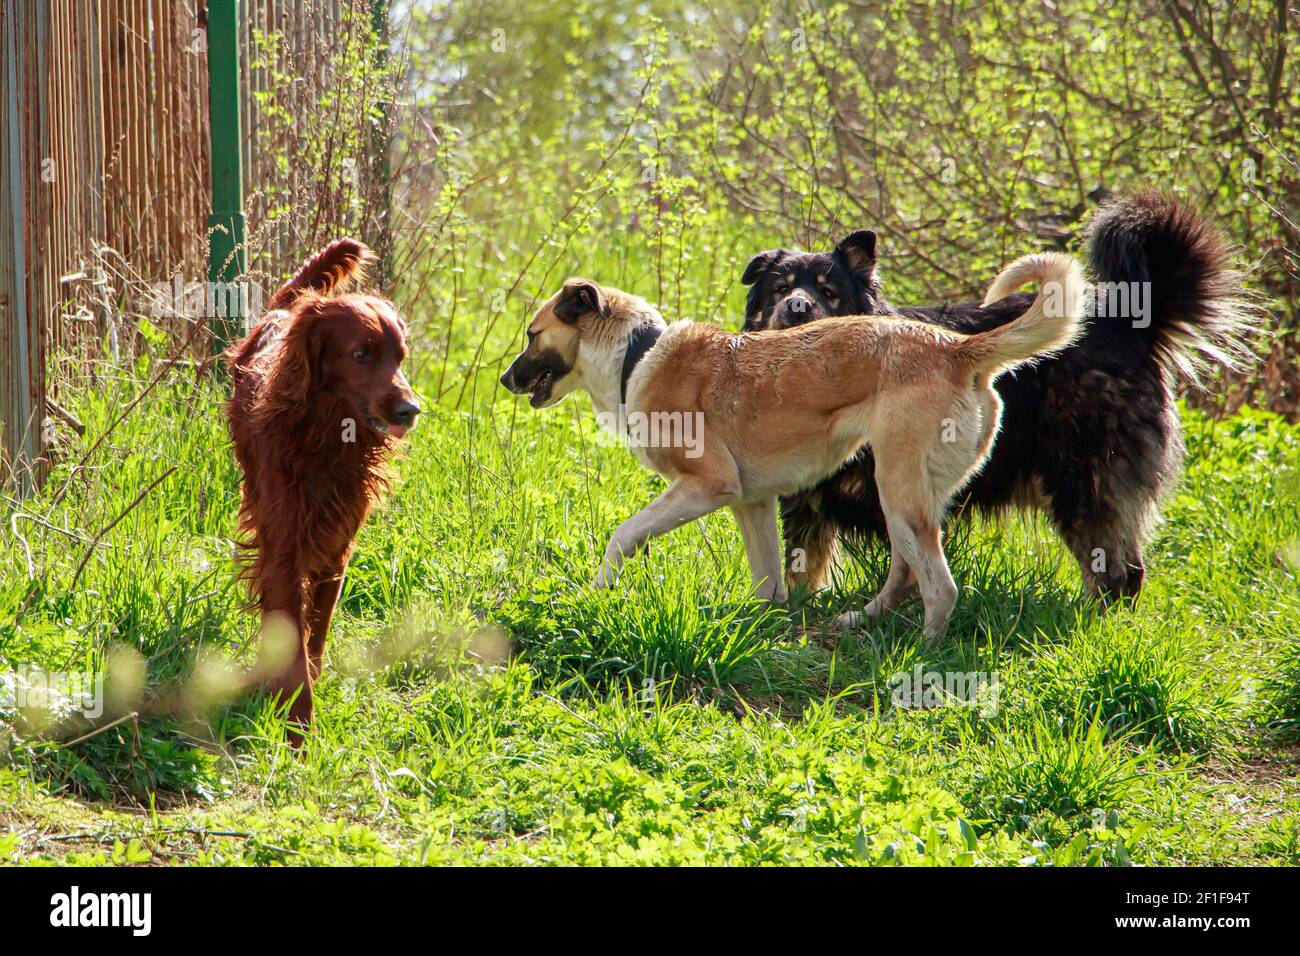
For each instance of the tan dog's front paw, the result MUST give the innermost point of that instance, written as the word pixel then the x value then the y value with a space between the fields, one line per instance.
pixel 875 610
pixel 774 592
pixel 934 631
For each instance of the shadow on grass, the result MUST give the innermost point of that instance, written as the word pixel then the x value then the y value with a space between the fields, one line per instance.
pixel 152 761
pixel 137 764
pixel 745 654
pixel 157 735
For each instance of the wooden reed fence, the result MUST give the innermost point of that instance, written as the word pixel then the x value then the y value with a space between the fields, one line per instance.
pixel 104 175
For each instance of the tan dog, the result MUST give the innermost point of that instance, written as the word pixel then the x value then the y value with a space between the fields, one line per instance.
pixel 782 410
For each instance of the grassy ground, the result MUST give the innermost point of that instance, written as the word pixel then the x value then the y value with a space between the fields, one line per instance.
pixel 482 704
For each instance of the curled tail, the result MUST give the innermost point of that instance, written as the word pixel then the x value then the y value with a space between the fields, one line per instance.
pixel 1053 320
pixel 342 261
pixel 1152 251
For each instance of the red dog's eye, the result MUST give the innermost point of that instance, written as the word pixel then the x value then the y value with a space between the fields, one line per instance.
pixel 361 355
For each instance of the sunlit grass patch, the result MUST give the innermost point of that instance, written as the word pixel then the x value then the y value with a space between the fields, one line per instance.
pixel 1136 686
pixel 1042 766
pixel 663 632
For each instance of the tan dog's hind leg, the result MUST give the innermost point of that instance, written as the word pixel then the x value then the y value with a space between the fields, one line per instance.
pixel 685 500
pixel 938 589
pixel 899 586
pixel 762 547
pixel 916 476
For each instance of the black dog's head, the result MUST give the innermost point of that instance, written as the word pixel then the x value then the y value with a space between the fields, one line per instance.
pixel 793 288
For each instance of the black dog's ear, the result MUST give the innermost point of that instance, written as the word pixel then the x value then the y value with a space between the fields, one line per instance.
pixel 759 264
pixel 580 297
pixel 858 250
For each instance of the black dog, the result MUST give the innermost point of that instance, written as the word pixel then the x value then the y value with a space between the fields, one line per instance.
pixel 1091 435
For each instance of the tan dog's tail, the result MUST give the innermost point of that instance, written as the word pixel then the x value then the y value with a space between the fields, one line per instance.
pixel 342 261
pixel 1053 321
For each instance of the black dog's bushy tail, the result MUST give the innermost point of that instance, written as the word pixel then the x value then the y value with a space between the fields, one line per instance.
pixel 1199 313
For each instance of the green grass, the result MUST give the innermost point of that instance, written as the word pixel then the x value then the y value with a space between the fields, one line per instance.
pixel 481 703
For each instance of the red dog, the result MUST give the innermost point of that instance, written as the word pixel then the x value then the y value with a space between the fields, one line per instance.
pixel 319 401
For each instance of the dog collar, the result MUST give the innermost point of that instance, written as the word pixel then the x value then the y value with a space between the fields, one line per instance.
pixel 642 340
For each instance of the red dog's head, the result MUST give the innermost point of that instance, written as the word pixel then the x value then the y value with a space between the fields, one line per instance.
pixel 350 348
pixel 347 348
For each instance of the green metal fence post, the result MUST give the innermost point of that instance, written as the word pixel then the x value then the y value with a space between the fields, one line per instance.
pixel 380 142
pixel 226 224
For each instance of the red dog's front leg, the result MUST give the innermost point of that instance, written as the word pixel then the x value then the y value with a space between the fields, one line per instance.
pixel 282 658
pixel 324 596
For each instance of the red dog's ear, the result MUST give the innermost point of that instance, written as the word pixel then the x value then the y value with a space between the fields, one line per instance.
pixel 301 352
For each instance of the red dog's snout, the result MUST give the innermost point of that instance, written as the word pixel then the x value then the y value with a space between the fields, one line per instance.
pixel 399 406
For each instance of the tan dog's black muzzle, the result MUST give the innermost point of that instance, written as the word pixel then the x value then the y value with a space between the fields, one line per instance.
pixel 521 374
pixel 534 375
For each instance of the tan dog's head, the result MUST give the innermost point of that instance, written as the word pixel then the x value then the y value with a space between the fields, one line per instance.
pixel 545 369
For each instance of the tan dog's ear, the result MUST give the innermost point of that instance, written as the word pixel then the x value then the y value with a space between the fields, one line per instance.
pixel 580 297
